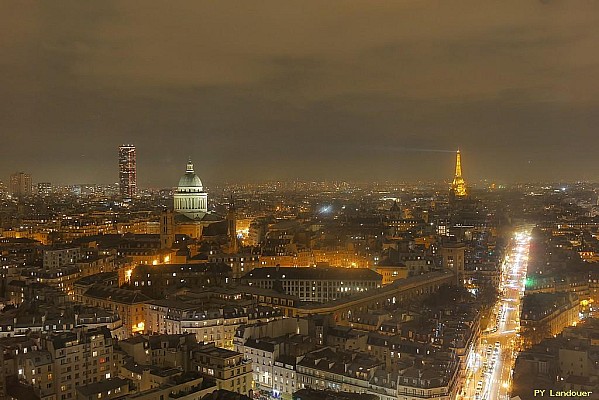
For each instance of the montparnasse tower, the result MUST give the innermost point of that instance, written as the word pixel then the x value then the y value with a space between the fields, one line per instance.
pixel 458 186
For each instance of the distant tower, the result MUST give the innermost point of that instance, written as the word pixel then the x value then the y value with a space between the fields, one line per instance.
pixel 395 211
pixel 20 210
pixel 127 171
pixel 20 184
pixel 167 229
pixel 232 225
pixel 458 186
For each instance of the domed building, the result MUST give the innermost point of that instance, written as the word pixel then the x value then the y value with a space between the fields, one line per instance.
pixel 190 198
pixel 190 203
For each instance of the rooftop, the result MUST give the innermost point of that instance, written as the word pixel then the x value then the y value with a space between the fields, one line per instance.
pixel 308 273
pixel 102 386
pixel 116 294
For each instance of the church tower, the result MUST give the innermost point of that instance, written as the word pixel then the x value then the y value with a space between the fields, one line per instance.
pixel 458 186
pixel 232 226
pixel 395 211
pixel 167 229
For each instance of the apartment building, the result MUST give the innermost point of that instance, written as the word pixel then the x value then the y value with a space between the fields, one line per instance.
pixel 80 356
pixel 229 368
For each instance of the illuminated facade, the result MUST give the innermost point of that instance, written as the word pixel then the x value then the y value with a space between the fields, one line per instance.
pixel 190 198
pixel 216 326
pixel 190 203
pixel 458 186
pixel 314 284
pixel 127 171
pixel 392 273
pixel 128 303
pixel 229 368
pixel 544 315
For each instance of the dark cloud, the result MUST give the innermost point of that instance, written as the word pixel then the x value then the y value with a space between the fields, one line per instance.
pixel 308 90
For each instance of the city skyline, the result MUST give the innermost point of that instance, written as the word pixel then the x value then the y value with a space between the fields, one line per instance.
pixel 315 200
pixel 127 175
pixel 130 192
pixel 289 93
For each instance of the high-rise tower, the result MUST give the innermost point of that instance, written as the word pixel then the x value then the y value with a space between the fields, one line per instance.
pixel 20 184
pixel 127 171
pixel 458 186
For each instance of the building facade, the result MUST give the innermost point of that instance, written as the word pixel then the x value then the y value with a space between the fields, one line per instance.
pixel 314 284
pixel 80 357
pixel 453 258
pixel 228 368
pixel 20 184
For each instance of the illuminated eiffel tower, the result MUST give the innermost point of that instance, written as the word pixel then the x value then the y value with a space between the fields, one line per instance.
pixel 458 186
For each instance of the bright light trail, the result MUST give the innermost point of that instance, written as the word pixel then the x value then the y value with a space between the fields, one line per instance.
pixel 501 335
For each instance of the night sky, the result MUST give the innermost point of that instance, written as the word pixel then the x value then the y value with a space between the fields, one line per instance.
pixel 260 90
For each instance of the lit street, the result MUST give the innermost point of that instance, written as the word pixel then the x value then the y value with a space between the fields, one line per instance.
pixel 490 366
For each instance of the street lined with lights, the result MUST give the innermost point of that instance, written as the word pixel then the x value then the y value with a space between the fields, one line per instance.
pixel 489 370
